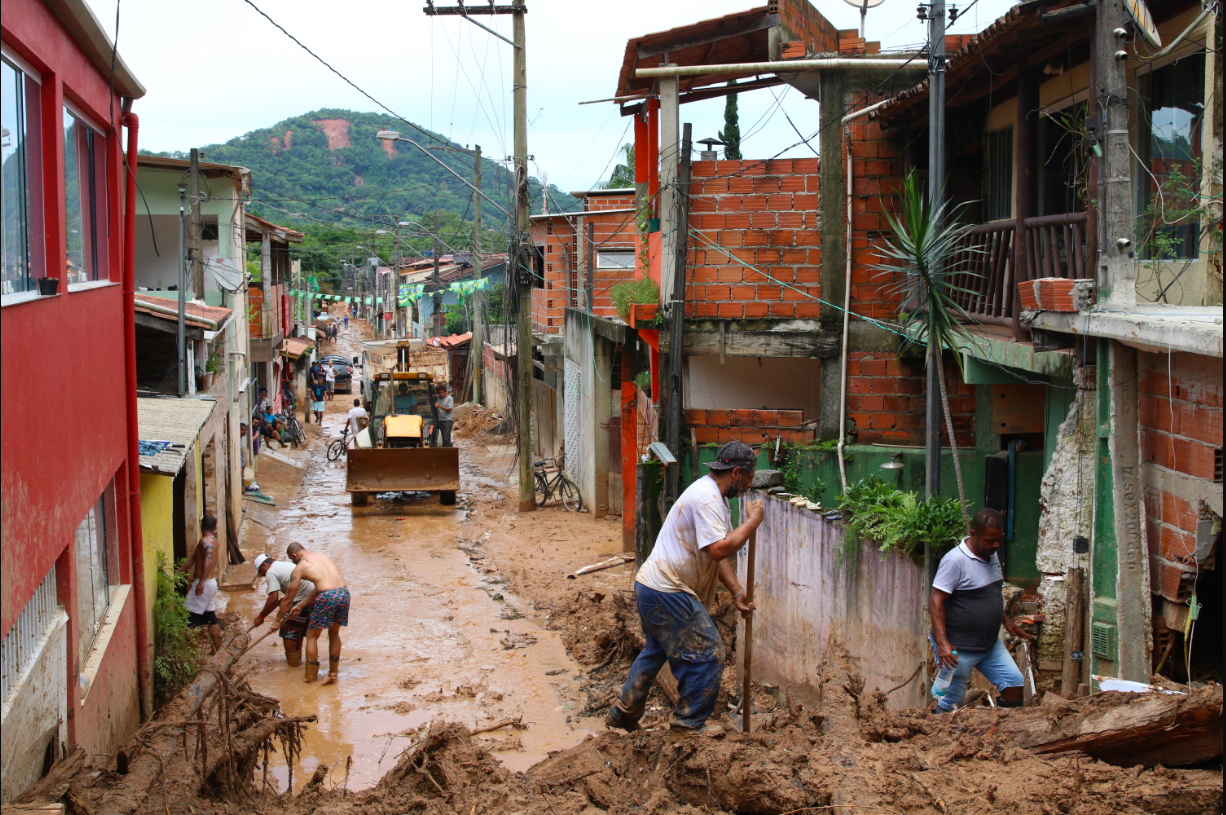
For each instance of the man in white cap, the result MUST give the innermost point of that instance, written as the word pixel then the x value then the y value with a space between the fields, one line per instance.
pixel 675 587
pixel 278 575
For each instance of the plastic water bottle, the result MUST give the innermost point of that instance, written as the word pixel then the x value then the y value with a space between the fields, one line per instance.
pixel 940 685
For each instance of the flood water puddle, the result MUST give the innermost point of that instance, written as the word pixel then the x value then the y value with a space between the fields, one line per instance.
pixel 429 636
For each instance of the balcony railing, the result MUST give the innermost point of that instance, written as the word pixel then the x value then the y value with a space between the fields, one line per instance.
pixel 985 266
pixel 982 268
pixel 1057 246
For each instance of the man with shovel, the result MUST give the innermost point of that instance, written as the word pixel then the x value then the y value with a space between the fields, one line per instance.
pixel 675 586
pixel 279 575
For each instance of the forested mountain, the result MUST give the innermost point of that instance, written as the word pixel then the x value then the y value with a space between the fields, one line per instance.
pixel 329 166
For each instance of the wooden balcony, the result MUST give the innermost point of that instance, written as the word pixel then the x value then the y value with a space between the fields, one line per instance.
pixel 991 260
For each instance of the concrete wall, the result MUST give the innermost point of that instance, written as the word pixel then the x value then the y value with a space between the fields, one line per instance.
pixel 157 528
pixel 807 593
pixel 774 383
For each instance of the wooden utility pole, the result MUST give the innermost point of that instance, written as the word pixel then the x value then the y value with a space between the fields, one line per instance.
pixel 676 346
pixel 194 228
pixel 478 343
pixel 436 300
pixel 517 258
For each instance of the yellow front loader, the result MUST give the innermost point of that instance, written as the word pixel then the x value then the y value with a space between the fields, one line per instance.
pixel 399 457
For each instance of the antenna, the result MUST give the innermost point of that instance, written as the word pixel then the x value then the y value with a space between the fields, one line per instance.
pixel 864 6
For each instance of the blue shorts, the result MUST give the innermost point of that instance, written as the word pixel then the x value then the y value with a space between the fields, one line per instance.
pixel 318 407
pixel 996 664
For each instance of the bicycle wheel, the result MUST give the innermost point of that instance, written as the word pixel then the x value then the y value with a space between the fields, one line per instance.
pixel 571 498
pixel 336 449
pixel 542 490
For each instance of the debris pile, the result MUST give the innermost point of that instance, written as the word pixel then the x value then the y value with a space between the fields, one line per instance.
pixel 472 420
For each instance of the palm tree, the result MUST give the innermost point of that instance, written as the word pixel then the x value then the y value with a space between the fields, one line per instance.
pixel 623 174
pixel 920 248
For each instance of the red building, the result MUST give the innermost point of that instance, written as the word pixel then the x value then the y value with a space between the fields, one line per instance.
pixel 76 665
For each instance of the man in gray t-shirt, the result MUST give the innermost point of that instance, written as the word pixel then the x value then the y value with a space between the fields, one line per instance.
pixel 278 575
pixel 967 611
pixel 445 405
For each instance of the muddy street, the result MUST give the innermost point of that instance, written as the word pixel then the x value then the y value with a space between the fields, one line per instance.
pixel 431 634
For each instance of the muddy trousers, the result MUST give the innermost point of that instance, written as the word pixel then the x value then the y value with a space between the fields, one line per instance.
pixel 678 630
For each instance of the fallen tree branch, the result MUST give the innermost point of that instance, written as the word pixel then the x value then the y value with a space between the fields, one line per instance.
pixel 517 723
pixel 611 563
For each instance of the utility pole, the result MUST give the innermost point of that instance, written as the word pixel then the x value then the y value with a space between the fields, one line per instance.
pixel 676 346
pixel 521 277
pixel 936 190
pixel 194 228
pixel 181 329
pixel 436 299
pixel 477 346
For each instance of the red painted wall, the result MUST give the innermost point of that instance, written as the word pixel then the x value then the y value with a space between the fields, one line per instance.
pixel 64 382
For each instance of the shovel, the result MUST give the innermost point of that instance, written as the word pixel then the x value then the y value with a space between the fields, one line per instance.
pixel 746 689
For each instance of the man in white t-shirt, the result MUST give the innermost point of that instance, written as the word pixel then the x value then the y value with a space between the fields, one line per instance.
pixel 677 583
pixel 278 575
pixel 330 379
pixel 355 413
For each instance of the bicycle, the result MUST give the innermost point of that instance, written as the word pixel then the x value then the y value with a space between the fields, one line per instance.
pixel 555 482
pixel 338 446
pixel 293 428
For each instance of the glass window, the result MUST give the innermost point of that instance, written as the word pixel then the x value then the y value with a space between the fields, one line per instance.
pixel 615 260
pixel 1172 141
pixel 84 199
pixel 97 572
pixel 19 202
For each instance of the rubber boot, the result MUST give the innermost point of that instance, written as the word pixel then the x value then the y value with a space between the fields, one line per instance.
pixel 333 670
pixel 312 671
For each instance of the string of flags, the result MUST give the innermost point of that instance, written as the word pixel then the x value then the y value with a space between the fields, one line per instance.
pixel 464 288
pixel 410 293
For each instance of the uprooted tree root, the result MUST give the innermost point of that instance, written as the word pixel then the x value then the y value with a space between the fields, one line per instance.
pixel 848 754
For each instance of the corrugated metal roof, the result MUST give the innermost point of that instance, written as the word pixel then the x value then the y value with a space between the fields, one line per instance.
pixel 216 314
pixel 177 421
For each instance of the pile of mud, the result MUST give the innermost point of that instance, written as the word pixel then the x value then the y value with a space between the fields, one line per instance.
pixel 472 420
pixel 847 754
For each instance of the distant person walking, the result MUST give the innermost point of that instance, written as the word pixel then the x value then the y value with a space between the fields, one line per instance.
pixel 446 409
pixel 278 575
pixel 330 607
pixel 346 322
pixel 202 593
pixel 318 391
pixel 330 379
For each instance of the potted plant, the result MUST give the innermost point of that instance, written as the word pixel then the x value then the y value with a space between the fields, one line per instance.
pixel 204 379
pixel 48 286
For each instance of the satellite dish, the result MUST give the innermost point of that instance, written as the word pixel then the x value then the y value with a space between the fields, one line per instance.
pixel 1144 20
pixel 864 6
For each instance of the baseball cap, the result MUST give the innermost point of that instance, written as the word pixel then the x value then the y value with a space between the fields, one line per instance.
pixel 260 560
pixel 734 454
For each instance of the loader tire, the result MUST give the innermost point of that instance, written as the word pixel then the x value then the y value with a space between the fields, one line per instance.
pixel 447 498
pixel 360 499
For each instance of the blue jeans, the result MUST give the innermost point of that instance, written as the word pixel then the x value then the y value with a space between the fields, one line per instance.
pixel 678 630
pixel 996 664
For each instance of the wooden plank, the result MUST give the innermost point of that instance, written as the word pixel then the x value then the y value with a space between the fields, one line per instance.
pixel 1018 408
pixel 758 343
pixel 169 326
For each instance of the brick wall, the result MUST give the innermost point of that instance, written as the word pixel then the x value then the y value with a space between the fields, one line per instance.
pixel 877 175
pixel 1181 432
pixel 765 214
pixel 749 426
pixel 566 260
pixel 886 401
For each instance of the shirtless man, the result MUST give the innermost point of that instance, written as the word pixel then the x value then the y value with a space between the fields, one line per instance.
pixel 330 601
pixel 202 565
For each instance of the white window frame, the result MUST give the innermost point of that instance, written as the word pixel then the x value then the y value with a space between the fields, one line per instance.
pixel 101 205
pixel 32 73
pixel 601 253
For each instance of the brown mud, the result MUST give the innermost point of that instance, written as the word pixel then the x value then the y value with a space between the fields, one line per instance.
pixel 463 619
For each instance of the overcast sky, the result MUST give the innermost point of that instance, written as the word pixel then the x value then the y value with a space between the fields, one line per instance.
pixel 217 70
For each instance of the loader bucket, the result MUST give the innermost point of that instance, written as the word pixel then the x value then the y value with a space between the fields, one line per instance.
pixel 426 469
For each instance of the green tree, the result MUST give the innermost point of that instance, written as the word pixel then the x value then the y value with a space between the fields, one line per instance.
pixel 731 134
pixel 623 174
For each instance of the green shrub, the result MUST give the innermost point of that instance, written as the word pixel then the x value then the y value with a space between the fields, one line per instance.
pixel 624 294
pixel 789 468
pixel 176 658
pixel 899 521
